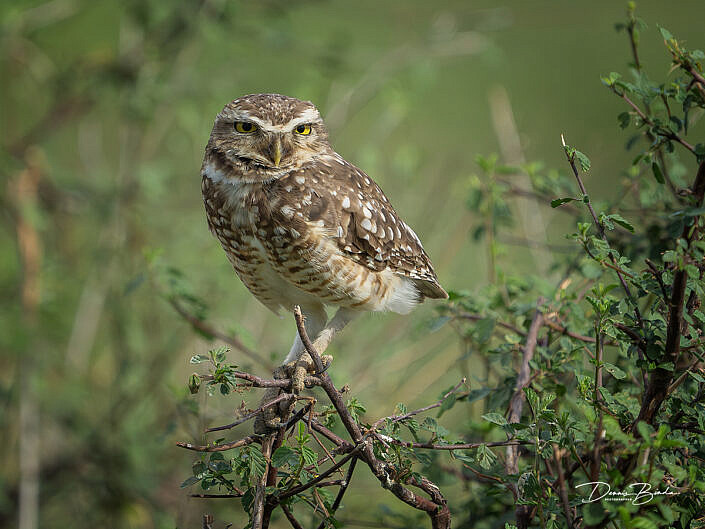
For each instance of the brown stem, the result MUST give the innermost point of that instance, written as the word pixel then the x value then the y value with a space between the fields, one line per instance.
pixel 601 231
pixel 289 516
pixel 343 488
pixel 660 379
pixel 252 415
pixel 220 448
pixel 516 404
pixel 200 325
pixel 437 510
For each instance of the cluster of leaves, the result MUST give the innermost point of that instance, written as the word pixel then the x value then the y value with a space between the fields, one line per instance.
pixel 612 396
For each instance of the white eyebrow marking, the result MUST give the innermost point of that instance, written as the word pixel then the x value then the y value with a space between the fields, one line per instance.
pixel 310 114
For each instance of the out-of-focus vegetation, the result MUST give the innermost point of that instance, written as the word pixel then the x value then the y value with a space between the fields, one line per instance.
pixel 105 109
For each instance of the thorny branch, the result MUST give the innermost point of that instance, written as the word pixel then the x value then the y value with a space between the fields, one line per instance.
pixel 358 448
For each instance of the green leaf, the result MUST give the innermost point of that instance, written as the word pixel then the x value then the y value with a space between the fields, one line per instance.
pixel 658 175
pixel 665 33
pixel 495 418
pixel 198 359
pixel 194 383
pixel 483 329
pixel 284 456
pixel 447 404
pixel 618 219
pixel 308 455
pixel 485 457
pixel 190 481
pixel 583 160
pixel 560 201
pixel 256 463
pixel 477 394
pixel 614 371
pixel 624 119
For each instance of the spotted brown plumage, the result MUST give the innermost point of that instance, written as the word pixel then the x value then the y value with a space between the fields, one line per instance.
pixel 301 225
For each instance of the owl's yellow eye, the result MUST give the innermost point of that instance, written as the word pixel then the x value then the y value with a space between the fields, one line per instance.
pixel 303 129
pixel 245 127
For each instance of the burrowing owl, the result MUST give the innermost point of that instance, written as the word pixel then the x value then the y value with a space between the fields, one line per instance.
pixel 301 225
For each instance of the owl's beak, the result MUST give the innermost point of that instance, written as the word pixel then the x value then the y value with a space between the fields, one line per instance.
pixel 277 151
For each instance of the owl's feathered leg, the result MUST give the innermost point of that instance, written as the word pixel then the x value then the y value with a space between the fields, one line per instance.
pixel 304 363
pixel 269 418
pixel 299 362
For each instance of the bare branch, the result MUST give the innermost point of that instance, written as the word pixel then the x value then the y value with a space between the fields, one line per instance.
pixel 221 448
pixel 252 415
pixel 206 329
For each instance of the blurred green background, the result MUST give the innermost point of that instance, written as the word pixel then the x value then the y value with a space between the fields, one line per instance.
pixel 105 108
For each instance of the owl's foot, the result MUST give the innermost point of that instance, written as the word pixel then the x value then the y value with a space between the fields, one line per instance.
pixel 272 417
pixel 298 369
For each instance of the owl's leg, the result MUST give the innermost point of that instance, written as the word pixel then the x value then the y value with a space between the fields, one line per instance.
pixel 304 363
pixel 315 318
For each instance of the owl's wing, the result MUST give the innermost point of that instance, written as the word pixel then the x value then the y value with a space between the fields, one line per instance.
pixel 367 229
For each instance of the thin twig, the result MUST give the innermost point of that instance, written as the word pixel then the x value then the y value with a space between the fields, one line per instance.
pixel 343 488
pixel 289 516
pixel 200 325
pixel 601 231
pixel 220 448
pixel 252 415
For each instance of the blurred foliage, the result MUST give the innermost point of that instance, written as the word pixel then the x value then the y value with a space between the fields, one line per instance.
pixel 105 108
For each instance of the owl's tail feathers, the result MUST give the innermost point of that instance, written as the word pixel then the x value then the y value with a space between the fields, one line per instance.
pixel 430 289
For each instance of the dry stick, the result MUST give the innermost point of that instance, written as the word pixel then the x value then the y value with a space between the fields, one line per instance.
pixel 217 496
pixel 261 488
pixel 343 488
pixel 660 379
pixel 199 324
pixel 460 446
pixel 478 317
pixel 516 404
pixel 304 486
pixel 397 418
pixel 220 448
pixel 289 516
pixel 562 490
pixel 563 330
pixel 667 133
pixel 596 459
pixel 252 415
pixel 343 445
pixel 259 382
pixel 438 512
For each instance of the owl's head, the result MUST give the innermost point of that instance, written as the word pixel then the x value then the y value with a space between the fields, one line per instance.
pixel 262 135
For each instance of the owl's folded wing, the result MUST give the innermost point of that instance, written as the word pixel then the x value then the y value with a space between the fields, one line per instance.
pixel 367 229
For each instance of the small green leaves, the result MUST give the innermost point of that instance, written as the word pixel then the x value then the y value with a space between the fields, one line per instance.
pixel 609 221
pixel 614 370
pixel 611 79
pixel 575 155
pixel 355 408
pixel 284 456
pixel 194 383
pixel 199 359
pixel 257 464
pixel 667 36
pixel 485 457
pixel 495 418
